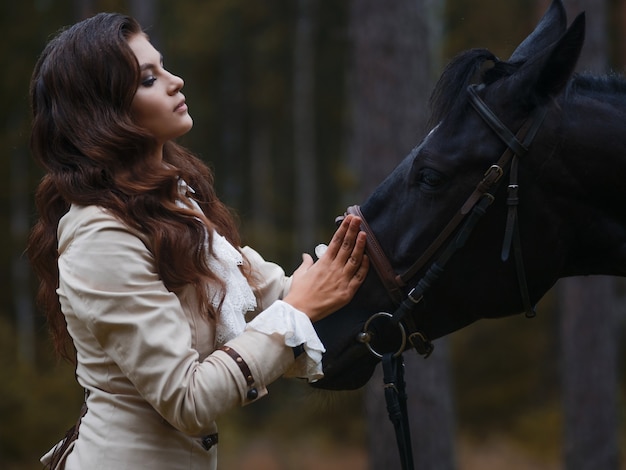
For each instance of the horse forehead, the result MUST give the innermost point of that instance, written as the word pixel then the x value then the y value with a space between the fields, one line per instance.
pixel 456 140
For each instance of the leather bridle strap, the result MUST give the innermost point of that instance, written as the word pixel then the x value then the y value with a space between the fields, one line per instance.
pixel 490 178
pixel 511 232
pixel 514 150
pixel 378 259
pixel 395 397
pixel 394 283
pixel 494 122
pixel 512 237
pixel 469 214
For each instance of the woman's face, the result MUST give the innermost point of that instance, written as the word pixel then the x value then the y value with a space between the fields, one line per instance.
pixel 158 105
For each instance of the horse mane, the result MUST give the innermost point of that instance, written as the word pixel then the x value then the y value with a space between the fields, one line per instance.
pixel 470 67
pixel 466 68
pixel 589 84
pixel 456 77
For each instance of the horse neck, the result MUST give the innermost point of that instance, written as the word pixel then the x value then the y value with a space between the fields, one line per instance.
pixel 593 147
pixel 585 174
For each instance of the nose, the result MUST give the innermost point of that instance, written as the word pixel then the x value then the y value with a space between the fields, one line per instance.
pixel 176 83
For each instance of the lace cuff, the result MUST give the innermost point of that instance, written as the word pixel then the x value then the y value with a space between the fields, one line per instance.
pixel 296 329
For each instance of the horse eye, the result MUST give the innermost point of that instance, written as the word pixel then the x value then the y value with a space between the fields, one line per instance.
pixel 430 179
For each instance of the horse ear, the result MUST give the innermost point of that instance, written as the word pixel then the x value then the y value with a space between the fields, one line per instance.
pixel 562 59
pixel 548 30
pixel 548 73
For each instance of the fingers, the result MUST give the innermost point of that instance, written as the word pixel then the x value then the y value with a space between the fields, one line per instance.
pixel 359 275
pixel 358 263
pixel 307 261
pixel 346 252
pixel 321 288
pixel 355 258
pixel 344 240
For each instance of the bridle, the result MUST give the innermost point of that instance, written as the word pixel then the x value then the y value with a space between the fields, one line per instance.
pixel 455 233
pixel 449 240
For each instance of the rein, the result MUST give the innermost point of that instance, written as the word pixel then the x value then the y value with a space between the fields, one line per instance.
pixel 455 233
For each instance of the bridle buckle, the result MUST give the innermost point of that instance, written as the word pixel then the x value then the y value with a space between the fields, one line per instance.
pixel 493 173
pixel 422 345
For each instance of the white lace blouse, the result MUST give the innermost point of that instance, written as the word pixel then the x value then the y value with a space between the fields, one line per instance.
pixel 281 319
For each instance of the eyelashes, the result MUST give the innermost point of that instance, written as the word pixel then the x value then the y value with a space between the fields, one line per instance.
pixel 148 81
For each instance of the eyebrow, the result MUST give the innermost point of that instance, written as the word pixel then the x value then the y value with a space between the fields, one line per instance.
pixel 149 65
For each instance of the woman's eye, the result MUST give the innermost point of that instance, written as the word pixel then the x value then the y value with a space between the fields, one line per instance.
pixel 148 81
pixel 430 179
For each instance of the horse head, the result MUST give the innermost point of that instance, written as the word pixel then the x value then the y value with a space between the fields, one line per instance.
pixel 465 274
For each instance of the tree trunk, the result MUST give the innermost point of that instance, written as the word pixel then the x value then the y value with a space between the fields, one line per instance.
pixel 20 272
pixel 589 368
pixel 232 82
pixel 588 321
pixel 304 125
pixel 394 51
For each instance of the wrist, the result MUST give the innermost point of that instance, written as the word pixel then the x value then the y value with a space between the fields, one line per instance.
pixel 298 350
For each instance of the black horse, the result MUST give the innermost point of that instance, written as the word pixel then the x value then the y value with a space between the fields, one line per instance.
pixel 552 196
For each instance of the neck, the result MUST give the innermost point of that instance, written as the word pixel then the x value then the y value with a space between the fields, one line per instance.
pixel 584 178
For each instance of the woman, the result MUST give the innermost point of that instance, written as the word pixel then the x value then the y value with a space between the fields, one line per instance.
pixel 142 280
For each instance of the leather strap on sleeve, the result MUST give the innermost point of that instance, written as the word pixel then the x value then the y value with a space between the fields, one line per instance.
pixel 245 370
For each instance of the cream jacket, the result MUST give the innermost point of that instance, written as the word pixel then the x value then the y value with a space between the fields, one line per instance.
pixel 147 356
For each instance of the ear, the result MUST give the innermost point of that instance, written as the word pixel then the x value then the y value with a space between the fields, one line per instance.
pixel 547 74
pixel 548 30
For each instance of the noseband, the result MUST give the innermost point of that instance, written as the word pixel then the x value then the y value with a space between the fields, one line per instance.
pixel 455 233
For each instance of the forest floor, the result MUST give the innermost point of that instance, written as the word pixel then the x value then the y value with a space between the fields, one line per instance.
pixel 488 454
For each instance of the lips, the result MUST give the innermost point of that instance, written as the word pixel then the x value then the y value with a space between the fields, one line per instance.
pixel 181 106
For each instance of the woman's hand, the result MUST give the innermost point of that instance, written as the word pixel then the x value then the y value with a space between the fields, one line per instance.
pixel 320 288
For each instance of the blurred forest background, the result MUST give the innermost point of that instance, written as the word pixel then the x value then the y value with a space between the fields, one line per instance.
pixel 269 84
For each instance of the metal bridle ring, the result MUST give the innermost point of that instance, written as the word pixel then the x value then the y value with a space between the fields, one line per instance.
pixel 365 336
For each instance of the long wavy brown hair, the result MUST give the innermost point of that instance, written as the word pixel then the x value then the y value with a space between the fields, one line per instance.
pixel 94 154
